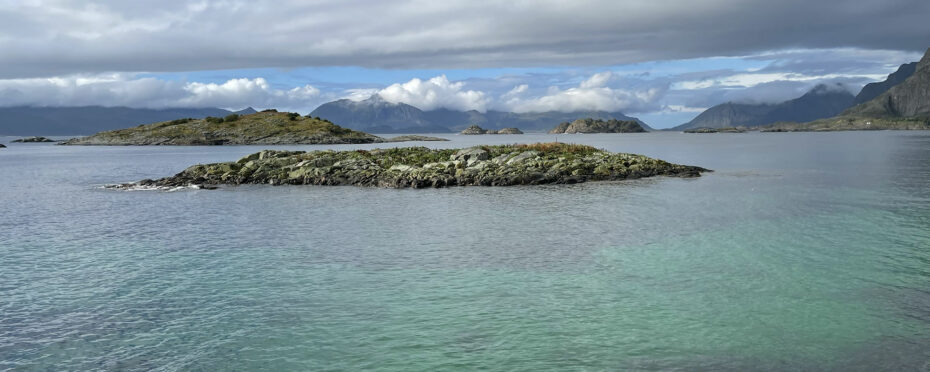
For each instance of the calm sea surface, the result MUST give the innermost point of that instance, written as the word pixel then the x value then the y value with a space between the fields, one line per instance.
pixel 803 251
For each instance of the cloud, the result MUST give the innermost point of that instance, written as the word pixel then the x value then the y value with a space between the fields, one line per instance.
pixel 245 92
pixel 132 91
pixel 42 38
pixel 435 93
pixel 591 94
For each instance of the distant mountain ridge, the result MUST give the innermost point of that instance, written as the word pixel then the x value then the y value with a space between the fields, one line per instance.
pixel 872 90
pixel 31 121
pixel 908 99
pixel 822 101
pixel 376 115
pixel 904 105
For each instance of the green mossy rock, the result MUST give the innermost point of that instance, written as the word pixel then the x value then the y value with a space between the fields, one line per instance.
pixel 419 167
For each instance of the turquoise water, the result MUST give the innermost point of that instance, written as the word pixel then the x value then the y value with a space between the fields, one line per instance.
pixel 803 251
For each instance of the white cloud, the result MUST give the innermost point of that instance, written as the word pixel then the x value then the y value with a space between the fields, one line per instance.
pixel 132 91
pixel 591 94
pixel 360 94
pixel 682 108
pixel 748 80
pixel 435 93
pixel 516 91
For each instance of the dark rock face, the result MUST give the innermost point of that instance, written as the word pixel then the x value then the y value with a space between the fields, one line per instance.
pixel 34 139
pixel 419 167
pixel 872 90
pixel 910 98
pixel 598 126
pixel 821 102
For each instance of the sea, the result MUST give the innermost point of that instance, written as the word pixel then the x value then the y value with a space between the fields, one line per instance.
pixel 800 252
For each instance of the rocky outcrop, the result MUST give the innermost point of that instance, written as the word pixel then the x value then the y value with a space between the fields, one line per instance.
pixel 34 139
pixel 474 129
pixel 598 126
pixel 2 146
pixel 419 167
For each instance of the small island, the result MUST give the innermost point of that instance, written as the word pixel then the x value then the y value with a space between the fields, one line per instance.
pixel 420 167
pixel 598 126
pixel 33 140
pixel 852 123
pixel 474 129
pixel 717 130
pixel 268 127
pixel 2 146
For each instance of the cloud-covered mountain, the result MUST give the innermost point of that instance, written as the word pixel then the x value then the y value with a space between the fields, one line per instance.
pixel 821 102
pixel 910 98
pixel 376 115
pixel 28 121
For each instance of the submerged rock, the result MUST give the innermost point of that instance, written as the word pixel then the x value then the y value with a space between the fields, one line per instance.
pixel 34 139
pixel 418 167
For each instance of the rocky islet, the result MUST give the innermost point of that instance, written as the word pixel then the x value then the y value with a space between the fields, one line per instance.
pixel 420 167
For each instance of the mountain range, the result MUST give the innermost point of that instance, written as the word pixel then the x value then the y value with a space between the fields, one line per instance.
pixel 909 98
pixel 28 121
pixel 377 115
pixel 823 101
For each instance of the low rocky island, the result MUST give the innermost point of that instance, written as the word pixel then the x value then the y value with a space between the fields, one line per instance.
pixel 717 130
pixel 598 126
pixel 2 146
pixel 34 140
pixel 413 138
pixel 853 123
pixel 474 129
pixel 420 167
pixel 262 128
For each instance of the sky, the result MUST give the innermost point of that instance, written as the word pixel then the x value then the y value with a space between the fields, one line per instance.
pixel 663 61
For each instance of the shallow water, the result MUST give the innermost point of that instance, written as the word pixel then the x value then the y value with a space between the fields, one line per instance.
pixel 805 251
